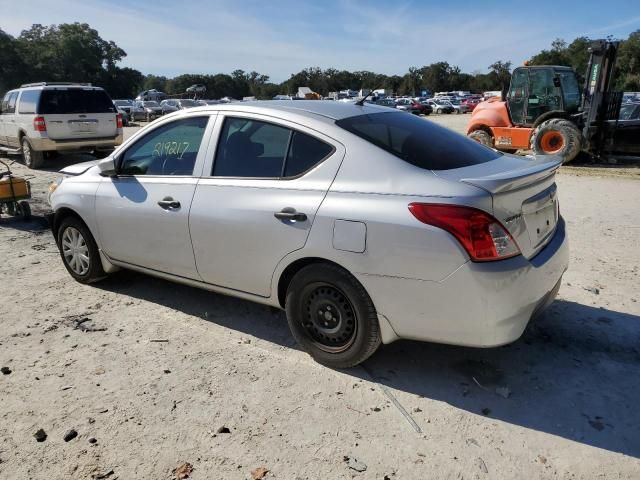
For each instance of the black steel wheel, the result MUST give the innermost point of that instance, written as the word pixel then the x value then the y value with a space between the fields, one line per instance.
pixel 330 320
pixel 331 316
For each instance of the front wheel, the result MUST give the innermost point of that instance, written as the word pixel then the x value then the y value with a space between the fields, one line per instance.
pixel 557 136
pixel 439 110
pixel 331 316
pixel 79 251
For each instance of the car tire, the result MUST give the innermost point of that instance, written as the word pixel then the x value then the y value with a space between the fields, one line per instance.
pixel 482 136
pixel 331 316
pixel 75 241
pixel 32 158
pixel 439 110
pixel 557 136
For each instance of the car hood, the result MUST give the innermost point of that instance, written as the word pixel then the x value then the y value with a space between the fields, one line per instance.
pixel 79 168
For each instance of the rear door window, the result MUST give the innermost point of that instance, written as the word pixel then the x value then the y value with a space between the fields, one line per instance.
pixel 254 149
pixel 75 100
pixel 417 141
pixel 11 103
pixel 29 101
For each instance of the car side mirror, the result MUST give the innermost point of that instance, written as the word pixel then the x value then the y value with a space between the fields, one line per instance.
pixel 107 167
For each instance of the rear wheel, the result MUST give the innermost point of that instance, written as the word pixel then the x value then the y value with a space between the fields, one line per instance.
pixel 557 136
pixel 331 316
pixel 482 136
pixel 79 251
pixel 32 158
pixel 23 209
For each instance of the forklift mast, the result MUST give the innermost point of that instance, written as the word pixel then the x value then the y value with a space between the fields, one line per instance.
pixel 599 102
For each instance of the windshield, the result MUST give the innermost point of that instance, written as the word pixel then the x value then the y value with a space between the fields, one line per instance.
pixel 417 141
pixel 75 101
pixel 150 104
pixel 122 103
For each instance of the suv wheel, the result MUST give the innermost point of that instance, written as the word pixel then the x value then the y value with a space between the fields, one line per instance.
pixel 32 158
pixel 79 251
pixel 331 316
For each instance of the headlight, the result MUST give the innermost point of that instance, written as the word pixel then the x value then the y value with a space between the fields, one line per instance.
pixel 53 186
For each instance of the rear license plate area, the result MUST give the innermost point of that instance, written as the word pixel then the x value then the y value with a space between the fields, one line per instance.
pixel 83 126
pixel 541 215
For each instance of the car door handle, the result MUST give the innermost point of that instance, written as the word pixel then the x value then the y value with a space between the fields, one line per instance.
pixel 290 214
pixel 169 203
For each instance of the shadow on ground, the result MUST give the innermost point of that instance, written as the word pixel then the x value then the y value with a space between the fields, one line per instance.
pixel 574 373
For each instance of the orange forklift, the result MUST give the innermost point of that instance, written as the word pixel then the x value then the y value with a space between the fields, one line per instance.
pixel 545 110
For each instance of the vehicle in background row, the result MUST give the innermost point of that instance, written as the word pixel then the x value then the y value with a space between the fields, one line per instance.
pixel 152 109
pixel 459 106
pixel 174 104
pixel 440 106
pixel 153 95
pixel 133 110
pixel 471 102
pixel 39 119
pixel 125 116
pixel 365 224
pixel 414 107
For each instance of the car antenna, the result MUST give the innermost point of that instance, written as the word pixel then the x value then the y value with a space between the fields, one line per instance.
pixel 361 101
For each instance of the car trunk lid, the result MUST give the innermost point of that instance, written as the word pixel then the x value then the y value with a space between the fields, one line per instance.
pixel 524 195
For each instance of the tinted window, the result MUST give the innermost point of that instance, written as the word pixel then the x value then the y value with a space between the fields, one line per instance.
pixel 75 100
pixel 417 141
pixel 249 148
pixel 168 150
pixel 11 103
pixel 29 101
pixel 305 152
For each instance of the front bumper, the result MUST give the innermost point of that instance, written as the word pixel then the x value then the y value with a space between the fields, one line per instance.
pixel 478 305
pixel 48 144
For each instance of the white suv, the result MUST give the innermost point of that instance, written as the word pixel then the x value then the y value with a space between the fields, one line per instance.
pixel 58 117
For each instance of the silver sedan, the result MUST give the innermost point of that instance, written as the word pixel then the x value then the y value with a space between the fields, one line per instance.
pixel 365 224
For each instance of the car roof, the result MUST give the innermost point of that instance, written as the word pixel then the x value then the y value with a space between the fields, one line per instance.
pixel 305 108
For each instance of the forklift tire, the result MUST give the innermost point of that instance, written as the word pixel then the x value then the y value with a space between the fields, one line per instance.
pixel 483 137
pixel 557 136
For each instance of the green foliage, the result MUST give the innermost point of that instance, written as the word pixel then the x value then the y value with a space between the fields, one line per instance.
pixel 76 52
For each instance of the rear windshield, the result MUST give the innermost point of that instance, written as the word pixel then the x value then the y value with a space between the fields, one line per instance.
pixel 75 100
pixel 417 141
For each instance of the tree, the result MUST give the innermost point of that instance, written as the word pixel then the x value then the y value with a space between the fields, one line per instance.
pixel 12 67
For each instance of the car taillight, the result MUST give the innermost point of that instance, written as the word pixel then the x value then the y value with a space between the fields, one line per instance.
pixel 482 236
pixel 118 120
pixel 39 124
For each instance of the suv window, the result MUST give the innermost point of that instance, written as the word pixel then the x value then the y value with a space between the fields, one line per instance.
pixel 255 149
pixel 29 101
pixel 418 142
pixel 9 105
pixel 75 100
pixel 167 150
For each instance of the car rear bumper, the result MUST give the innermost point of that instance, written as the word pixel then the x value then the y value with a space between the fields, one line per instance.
pixel 48 144
pixel 478 305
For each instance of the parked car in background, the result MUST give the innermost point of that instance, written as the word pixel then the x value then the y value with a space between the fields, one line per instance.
pixel 125 116
pixel 283 97
pixel 411 106
pixel 134 111
pixel 153 94
pixel 385 102
pixel 458 106
pixel 440 106
pixel 470 102
pixel 38 119
pixel 365 225
pixel 175 104
pixel 630 111
pixel 151 108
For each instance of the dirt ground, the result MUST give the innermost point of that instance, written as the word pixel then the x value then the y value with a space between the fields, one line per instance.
pixel 153 375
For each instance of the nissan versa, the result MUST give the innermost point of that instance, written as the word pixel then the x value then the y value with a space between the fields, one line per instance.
pixel 365 224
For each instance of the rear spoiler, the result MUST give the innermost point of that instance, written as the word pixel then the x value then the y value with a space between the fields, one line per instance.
pixel 514 179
